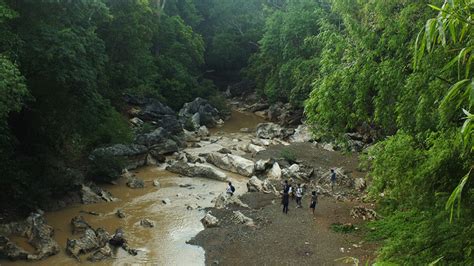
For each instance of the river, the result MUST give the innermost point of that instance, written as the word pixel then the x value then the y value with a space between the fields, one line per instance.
pixel 164 244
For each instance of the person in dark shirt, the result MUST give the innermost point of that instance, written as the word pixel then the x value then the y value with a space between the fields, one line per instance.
pixel 314 201
pixel 333 179
pixel 285 200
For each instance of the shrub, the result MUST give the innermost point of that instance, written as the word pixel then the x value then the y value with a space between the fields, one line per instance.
pixel 105 168
pixel 288 155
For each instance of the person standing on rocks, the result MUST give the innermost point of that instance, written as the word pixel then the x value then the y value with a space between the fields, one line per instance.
pixel 286 197
pixel 299 195
pixel 333 179
pixel 230 189
pixel 314 201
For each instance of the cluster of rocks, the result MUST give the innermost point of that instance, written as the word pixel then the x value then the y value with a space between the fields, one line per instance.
pixel 237 217
pixel 92 193
pixel 196 170
pixel 199 113
pixel 39 235
pixel 224 199
pixel 160 131
pixel 96 243
pixel 364 213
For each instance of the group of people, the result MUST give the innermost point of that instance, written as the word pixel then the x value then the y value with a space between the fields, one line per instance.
pixel 297 193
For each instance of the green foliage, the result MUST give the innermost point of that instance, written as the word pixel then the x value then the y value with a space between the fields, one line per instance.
pixel 351 64
pixel 343 228
pixel 452 28
pixel 285 64
pixel 220 102
pixel 230 30
pixel 412 237
pixel 288 155
pixel 66 66
pixel 105 168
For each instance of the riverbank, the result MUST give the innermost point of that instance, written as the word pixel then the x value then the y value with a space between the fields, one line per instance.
pixel 296 238
pixel 176 202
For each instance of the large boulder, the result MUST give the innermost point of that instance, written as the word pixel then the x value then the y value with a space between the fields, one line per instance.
pixel 135 183
pixel 272 131
pixel 199 113
pixel 232 163
pixel 154 137
pixel 87 243
pixel 269 130
pixel 302 134
pixel 196 170
pixel 209 221
pixel 284 114
pixel 101 254
pixel 298 171
pixel 94 194
pixel 275 172
pixel 255 184
pixel 79 225
pixel 38 233
pixel 262 165
pixel 225 199
pixel 152 110
pixel 254 149
pixel 88 196
pixel 134 155
pixel 239 218
pixel 10 250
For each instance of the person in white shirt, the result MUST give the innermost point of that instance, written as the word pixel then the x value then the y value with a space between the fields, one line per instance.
pixel 299 195
pixel 230 189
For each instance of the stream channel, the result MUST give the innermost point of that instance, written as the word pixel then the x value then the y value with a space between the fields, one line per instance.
pixel 176 223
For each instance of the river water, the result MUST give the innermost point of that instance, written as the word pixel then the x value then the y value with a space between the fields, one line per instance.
pixel 164 244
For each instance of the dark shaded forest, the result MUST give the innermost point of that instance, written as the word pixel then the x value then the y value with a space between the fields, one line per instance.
pixel 398 71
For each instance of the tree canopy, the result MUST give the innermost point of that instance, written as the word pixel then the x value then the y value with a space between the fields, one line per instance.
pixel 399 69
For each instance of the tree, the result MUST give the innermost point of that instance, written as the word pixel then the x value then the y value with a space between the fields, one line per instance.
pixel 453 29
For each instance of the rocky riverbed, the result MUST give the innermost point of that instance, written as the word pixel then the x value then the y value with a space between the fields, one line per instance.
pixel 178 171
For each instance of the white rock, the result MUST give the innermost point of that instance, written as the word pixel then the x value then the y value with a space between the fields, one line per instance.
pixel 210 221
pixel 254 149
pixel 225 199
pixel 255 184
pixel 232 163
pixel 328 146
pixel 360 184
pixel 269 130
pixel 190 136
pixel 196 170
pixel 261 165
pixel 294 168
pixel 166 201
pixel 136 121
pixel 203 131
pixel 302 134
pixel 156 183
pixel 240 218
pixel 275 172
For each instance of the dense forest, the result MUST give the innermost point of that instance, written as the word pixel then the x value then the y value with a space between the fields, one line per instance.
pixel 397 70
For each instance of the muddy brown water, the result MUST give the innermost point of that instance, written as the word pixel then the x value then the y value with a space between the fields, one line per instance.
pixel 164 244
pixel 237 121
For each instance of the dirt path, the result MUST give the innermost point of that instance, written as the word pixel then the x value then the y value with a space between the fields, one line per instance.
pixel 294 239
pixel 278 239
